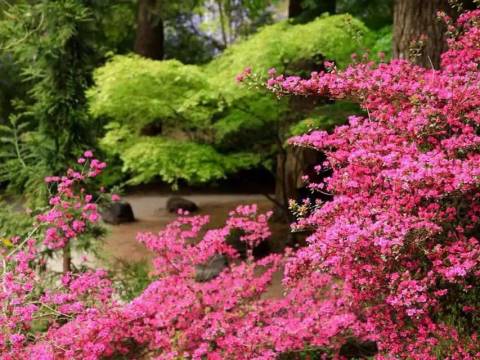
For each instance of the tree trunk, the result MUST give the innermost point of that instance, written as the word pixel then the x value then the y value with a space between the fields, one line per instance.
pixel 284 183
pixel 149 39
pixel 223 24
pixel 417 33
pixel 67 259
pixel 296 9
pixel 292 164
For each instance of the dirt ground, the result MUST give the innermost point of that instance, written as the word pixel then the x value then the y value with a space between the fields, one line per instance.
pixel 151 216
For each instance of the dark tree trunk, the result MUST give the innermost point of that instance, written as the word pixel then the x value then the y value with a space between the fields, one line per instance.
pixel 297 10
pixel 67 259
pixel 417 33
pixel 294 8
pixel 292 164
pixel 149 39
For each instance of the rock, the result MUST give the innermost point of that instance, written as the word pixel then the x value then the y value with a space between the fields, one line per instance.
pixel 176 203
pixel 261 250
pixel 117 213
pixel 356 349
pixel 211 269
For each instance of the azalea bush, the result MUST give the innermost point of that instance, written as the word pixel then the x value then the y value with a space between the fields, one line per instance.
pixel 78 316
pixel 402 233
pixel 394 258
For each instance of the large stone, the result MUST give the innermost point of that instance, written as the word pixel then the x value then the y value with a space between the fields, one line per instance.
pixel 352 349
pixel 261 250
pixel 211 269
pixel 118 213
pixel 176 203
pixel 357 349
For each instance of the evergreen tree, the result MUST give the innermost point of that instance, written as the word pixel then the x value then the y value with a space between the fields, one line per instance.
pixel 56 45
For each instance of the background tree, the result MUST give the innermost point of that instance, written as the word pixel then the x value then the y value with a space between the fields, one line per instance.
pixel 158 110
pixel 149 40
pixel 168 29
pixel 307 10
pixel 418 34
pixel 239 18
pixel 56 44
pixel 11 86
pixel 376 14
pixel 212 122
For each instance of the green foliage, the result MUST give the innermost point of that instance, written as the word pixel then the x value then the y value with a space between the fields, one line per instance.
pixel 56 44
pixel 171 160
pixel 173 121
pixel 132 278
pixel 245 116
pixel 234 19
pixel 12 223
pixel 195 30
pixel 384 43
pixel 314 8
pixel 307 354
pixel 325 118
pixel 455 302
pixel 50 33
pixel 23 162
pixel 11 86
pixel 138 91
pixel 283 45
pixel 376 14
pixel 116 22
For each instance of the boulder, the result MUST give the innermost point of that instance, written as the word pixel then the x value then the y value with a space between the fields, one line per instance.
pixel 176 203
pixel 261 250
pixel 211 269
pixel 356 349
pixel 117 213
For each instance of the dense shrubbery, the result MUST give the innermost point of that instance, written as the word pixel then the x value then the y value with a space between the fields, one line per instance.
pixel 393 258
pixel 402 232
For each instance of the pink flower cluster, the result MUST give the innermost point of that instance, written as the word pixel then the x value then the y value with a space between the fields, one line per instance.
pixel 176 316
pixel 72 210
pixel 394 258
pixel 31 299
pixel 403 231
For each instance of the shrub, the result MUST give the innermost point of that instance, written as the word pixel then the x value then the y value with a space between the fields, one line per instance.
pixel 77 316
pixel 402 233
pixel 393 258
pixel 201 112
